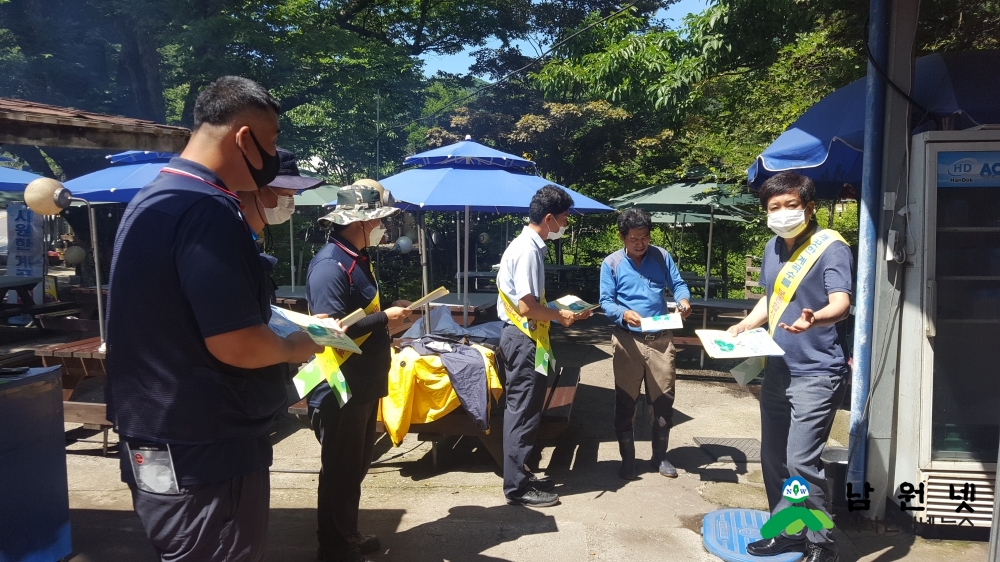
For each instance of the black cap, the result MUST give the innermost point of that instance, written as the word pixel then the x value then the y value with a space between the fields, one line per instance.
pixel 288 174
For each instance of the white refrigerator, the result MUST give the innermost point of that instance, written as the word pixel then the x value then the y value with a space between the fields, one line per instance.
pixel 948 395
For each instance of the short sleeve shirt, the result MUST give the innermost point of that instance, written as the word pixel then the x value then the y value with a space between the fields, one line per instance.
pixel 522 270
pixel 186 268
pixel 820 350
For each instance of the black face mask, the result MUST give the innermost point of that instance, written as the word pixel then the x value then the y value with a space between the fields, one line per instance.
pixel 269 166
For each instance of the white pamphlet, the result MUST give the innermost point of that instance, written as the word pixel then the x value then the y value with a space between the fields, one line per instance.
pixel 719 344
pixel 572 304
pixel 323 331
pixel 662 322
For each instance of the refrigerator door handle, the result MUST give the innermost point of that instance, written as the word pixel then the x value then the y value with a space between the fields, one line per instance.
pixel 930 310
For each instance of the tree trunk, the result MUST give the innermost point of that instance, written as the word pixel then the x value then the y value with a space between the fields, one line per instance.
pixel 142 62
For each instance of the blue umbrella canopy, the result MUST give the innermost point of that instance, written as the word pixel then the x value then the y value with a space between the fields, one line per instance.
pixel 485 189
pixel 470 153
pixel 120 182
pixel 15 180
pixel 827 142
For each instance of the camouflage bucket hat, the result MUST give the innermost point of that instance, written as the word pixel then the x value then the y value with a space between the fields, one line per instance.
pixel 363 201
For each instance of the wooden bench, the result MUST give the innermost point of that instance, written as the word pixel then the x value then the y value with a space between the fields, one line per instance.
pixel 81 360
pixel 558 407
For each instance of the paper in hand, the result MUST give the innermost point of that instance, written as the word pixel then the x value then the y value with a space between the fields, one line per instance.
pixel 719 344
pixel 428 298
pixel 573 304
pixel 662 322
pixel 323 331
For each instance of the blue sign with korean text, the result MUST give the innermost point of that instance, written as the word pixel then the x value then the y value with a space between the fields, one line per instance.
pixel 25 251
pixel 968 169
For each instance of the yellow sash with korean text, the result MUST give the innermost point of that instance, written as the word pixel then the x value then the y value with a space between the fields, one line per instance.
pixel 794 270
pixel 327 365
pixel 537 330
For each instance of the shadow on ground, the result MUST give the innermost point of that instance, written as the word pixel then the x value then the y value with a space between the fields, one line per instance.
pixel 464 534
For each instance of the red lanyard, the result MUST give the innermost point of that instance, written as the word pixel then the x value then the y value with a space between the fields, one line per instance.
pixel 201 179
pixel 176 172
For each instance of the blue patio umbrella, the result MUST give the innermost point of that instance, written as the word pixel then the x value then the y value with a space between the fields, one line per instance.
pixel 15 180
pixel 827 142
pixel 484 189
pixel 469 152
pixel 120 182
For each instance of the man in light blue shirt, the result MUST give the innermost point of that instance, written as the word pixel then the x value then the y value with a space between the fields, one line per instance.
pixel 633 285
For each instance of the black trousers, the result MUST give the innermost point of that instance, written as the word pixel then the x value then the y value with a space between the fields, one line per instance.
pixel 525 399
pixel 218 522
pixel 347 437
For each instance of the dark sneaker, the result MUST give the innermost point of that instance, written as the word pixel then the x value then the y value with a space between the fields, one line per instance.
pixel 776 545
pixel 543 483
pixel 367 544
pixel 535 498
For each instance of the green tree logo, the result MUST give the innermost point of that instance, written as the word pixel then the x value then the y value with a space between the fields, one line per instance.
pixel 795 517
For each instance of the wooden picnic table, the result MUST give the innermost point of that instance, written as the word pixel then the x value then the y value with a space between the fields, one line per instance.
pixel 81 361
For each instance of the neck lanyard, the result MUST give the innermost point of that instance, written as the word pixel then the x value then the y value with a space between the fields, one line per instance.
pixel 176 172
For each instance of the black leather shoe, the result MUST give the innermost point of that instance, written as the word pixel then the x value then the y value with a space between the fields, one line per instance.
pixel 534 498
pixel 776 545
pixel 367 544
pixel 543 483
pixel 817 553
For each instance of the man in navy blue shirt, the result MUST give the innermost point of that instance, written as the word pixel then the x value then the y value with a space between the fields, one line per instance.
pixel 634 281
pixel 803 388
pixel 193 370
pixel 340 281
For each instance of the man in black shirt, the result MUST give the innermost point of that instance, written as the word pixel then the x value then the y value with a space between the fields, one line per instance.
pixel 193 379
pixel 341 280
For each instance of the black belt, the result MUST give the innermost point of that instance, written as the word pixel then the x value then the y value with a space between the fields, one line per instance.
pixel 648 336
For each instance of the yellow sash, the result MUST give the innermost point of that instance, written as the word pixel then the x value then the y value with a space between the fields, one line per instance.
pixel 794 270
pixel 537 330
pixel 327 365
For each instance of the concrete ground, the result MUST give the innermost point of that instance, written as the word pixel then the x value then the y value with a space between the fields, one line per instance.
pixel 457 512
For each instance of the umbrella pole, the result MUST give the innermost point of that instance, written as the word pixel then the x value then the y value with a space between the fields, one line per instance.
pixel 458 252
pixel 422 244
pixel 708 270
pixel 291 249
pixel 465 290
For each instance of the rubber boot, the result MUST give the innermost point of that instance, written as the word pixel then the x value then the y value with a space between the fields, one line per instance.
pixel 626 447
pixel 660 463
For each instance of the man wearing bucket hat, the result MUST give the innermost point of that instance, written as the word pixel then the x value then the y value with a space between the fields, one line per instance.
pixel 341 280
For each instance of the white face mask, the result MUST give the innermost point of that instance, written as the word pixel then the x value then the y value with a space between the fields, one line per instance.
pixel 556 234
pixel 375 236
pixel 281 213
pixel 787 223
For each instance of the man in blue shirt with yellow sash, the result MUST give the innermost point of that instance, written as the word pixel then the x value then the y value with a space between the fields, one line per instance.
pixel 524 342
pixel 807 274
pixel 633 284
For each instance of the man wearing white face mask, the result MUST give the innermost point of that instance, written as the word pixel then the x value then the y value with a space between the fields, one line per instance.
pixel 808 276
pixel 340 281
pixel 524 342
pixel 274 204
